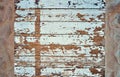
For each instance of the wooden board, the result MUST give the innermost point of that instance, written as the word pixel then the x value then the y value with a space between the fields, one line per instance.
pixel 84 61
pixel 22 4
pixel 71 72
pixel 63 39
pixel 61 15
pixel 78 28
pixel 61 50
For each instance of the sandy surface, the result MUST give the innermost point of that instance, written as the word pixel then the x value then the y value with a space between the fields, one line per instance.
pixel 113 39
pixel 6 38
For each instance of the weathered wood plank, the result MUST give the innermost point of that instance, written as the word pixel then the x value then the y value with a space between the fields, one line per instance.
pixel 71 39
pixel 62 40
pixel 60 4
pixel 73 71
pixel 83 28
pixel 68 64
pixel 66 72
pixel 73 51
pixel 71 59
pixel 59 50
pixel 61 64
pixel 85 61
pixel 62 15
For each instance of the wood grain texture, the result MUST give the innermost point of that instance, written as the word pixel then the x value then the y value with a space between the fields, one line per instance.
pixel 6 38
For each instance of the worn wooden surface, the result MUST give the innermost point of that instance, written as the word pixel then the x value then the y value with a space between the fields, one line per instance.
pixel 6 38
pixel 113 39
pixel 59 38
pixel 61 15
pixel 23 4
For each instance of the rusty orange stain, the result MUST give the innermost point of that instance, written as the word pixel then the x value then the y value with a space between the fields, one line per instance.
pixel 37 48
pixel 67 47
pixel 97 29
pixel 101 17
pixel 98 39
pixel 82 32
pixel 91 19
pixel 94 71
pixel 81 16
pixel 95 51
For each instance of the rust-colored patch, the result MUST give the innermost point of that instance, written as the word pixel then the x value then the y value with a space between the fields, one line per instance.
pixel 37 47
pixel 28 47
pixel 94 70
pixel 44 48
pixel 67 47
pixel 95 51
pixel 98 39
pixel 91 19
pixel 54 46
pixel 81 16
pixel 101 17
pixel 82 32
pixel 22 63
pixel 99 29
